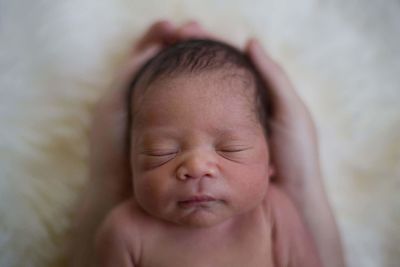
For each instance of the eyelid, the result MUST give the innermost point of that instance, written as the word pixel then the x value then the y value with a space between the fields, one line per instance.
pixel 233 148
pixel 159 152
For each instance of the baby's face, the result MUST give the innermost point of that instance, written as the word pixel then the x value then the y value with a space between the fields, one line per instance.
pixel 199 156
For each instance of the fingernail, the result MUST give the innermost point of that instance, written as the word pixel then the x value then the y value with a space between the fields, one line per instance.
pixel 191 22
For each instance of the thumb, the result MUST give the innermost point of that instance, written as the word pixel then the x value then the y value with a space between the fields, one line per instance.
pixel 273 75
pixel 134 64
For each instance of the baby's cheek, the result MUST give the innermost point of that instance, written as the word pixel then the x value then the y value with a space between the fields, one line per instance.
pixel 146 194
pixel 246 178
pixel 151 187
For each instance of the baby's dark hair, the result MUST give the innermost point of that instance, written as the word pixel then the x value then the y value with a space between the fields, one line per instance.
pixel 197 56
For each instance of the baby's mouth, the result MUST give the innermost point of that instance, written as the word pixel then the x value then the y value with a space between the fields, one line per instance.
pixel 196 201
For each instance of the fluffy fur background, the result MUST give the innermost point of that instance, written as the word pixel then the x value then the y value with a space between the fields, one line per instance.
pixel 58 57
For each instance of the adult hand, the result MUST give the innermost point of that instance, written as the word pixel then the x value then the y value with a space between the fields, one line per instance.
pixel 293 139
pixel 294 149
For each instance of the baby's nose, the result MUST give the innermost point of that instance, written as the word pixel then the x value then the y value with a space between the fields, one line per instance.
pixel 197 166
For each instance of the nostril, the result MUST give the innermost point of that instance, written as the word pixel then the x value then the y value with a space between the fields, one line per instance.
pixel 196 167
pixel 183 174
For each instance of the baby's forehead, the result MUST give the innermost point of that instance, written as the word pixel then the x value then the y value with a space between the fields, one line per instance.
pixel 221 89
pixel 225 82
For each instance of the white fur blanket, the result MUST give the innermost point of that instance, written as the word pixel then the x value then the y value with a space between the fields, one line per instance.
pixel 58 57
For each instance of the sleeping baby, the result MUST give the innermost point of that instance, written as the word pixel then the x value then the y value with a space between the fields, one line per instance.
pixel 200 164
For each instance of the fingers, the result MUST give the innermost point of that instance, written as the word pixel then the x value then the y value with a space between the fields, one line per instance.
pixel 274 76
pixel 157 36
pixel 271 72
pixel 164 32
pixel 153 41
pixel 133 64
pixel 192 30
pixel 160 32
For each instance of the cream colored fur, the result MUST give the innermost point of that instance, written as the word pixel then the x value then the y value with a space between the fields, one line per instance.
pixel 58 57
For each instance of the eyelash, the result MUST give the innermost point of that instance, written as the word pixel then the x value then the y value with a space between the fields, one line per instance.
pixel 160 154
pixel 224 150
pixel 157 158
pixel 233 150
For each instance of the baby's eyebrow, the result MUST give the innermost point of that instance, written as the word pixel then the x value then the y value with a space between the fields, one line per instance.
pixel 235 131
pixel 158 132
pixel 164 132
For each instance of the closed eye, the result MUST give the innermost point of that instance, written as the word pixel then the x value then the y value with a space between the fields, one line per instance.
pixel 236 154
pixel 233 149
pixel 155 158
pixel 159 153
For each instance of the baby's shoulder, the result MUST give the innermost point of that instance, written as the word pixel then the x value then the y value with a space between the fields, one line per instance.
pixel 118 238
pixel 123 225
pixel 127 213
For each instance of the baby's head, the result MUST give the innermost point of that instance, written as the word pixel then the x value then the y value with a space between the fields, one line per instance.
pixel 198 120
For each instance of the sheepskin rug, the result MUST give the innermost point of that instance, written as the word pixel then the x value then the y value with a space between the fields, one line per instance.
pixel 58 57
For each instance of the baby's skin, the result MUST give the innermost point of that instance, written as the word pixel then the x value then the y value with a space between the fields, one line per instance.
pixel 201 184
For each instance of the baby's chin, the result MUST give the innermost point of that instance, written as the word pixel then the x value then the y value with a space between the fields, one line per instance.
pixel 201 218
pixel 201 215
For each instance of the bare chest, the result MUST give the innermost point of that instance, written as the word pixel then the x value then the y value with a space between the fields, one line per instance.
pixel 248 246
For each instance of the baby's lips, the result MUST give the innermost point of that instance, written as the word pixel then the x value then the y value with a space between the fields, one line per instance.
pixel 195 200
pixel 198 198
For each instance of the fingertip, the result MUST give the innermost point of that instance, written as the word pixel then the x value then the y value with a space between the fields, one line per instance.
pixel 258 54
pixel 192 23
pixel 252 41
pixel 248 45
pixel 152 50
pixel 163 24
pixel 165 29
pixel 191 29
pixel 253 47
